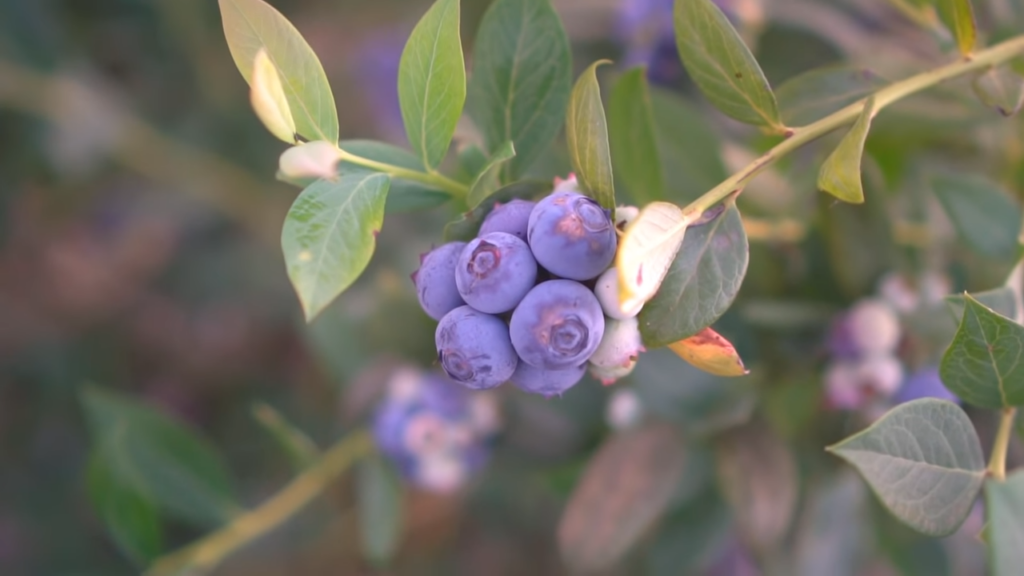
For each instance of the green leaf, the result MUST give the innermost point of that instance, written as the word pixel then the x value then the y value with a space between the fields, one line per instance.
pixel 610 510
pixel 836 534
pixel 250 25
pixel 472 160
pixel 130 517
pixel 958 16
pixel 432 82
pixel 1004 508
pixel 633 138
pixel 721 65
pixel 296 444
pixel 701 283
pixel 403 195
pixel 522 75
pixel 759 479
pixel 700 403
pixel 158 460
pixel 586 134
pixel 858 239
pixel 817 93
pixel 486 181
pixel 924 462
pixel 985 216
pixel 1001 300
pixel 380 510
pixel 1000 88
pixel 329 235
pixel 466 227
pixel 982 364
pixel 840 174
pixel 690 538
pixel 689 150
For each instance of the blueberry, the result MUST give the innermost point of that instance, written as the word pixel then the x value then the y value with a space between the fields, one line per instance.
pixel 874 326
pixel 558 325
pixel 620 344
pixel 494 272
pixel 607 291
pixel 572 236
pixel 511 218
pixel 546 382
pixel 924 383
pixel 474 348
pixel 435 280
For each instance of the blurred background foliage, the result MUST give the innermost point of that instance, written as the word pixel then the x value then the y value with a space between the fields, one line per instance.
pixel 139 252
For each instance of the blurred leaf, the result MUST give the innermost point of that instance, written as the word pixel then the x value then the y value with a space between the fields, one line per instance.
pixel 432 82
pixel 701 283
pixel 833 534
pixel 689 149
pixel 403 195
pixel 586 134
pixel 130 517
pixel 690 537
pixel 251 25
pixel 329 235
pixel 858 239
pixel 472 160
pixel 923 460
pixel 633 139
pixel 815 94
pixel 699 402
pixel 647 250
pixel 522 75
pixel 726 72
pixel 840 174
pixel 1000 88
pixel 465 228
pixel 1004 508
pixel 711 352
pixel 380 510
pixel 985 216
pixel 958 16
pixel 296 444
pixel 758 477
pixel 625 488
pixel 157 460
pixel 982 364
pixel 269 100
pixel 1001 300
pixel 487 181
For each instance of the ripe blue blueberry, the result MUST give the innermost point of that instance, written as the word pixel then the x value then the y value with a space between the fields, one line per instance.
pixel 494 272
pixel 435 280
pixel 557 326
pixel 511 218
pixel 924 383
pixel 474 348
pixel 546 382
pixel 572 236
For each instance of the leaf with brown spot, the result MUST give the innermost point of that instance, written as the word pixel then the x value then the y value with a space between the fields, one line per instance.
pixel 625 488
pixel 711 352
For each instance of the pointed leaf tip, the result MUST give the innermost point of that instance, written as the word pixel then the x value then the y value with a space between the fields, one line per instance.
pixel 840 174
pixel 586 132
pixel 711 352
pixel 268 98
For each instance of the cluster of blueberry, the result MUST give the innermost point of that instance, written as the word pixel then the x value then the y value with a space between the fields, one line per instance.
pixel 526 300
pixel 865 369
pixel 436 433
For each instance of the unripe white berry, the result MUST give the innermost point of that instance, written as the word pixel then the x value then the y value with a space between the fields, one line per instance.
pixel 881 372
pixel 874 326
pixel 842 385
pixel 620 345
pixel 611 374
pixel 607 291
pixel 624 409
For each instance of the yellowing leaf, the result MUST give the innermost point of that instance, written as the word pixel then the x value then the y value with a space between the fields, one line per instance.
pixel 958 16
pixel 646 251
pixel 268 99
pixel 711 352
pixel 840 174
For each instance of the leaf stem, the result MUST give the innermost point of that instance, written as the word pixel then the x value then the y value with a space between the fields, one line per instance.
pixel 888 95
pixel 442 182
pixel 209 552
pixel 997 461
